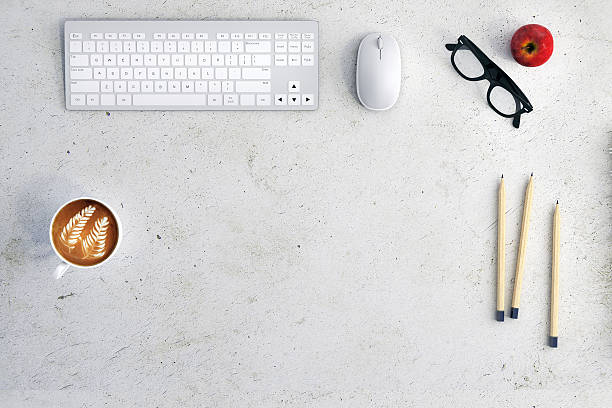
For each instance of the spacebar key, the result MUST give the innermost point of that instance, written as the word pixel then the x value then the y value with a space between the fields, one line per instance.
pixel 163 99
pixel 253 86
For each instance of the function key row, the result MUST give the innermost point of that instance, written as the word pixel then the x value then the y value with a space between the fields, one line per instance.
pixel 194 36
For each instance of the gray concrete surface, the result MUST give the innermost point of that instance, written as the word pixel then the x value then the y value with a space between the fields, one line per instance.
pixel 336 258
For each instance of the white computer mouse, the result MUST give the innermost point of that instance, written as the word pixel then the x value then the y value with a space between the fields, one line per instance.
pixel 379 71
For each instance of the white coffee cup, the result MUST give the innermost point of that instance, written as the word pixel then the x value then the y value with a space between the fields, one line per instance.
pixel 61 269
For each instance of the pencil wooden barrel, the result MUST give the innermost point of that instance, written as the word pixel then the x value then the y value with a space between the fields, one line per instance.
pixel 520 262
pixel 554 286
pixel 501 250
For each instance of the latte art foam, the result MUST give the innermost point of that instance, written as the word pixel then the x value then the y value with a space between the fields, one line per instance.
pixel 85 232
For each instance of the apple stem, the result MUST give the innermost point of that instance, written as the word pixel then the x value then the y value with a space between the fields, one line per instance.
pixel 529 47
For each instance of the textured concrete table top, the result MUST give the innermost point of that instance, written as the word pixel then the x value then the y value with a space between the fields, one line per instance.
pixel 331 258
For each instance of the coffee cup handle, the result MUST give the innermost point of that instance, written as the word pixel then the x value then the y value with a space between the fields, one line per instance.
pixel 61 270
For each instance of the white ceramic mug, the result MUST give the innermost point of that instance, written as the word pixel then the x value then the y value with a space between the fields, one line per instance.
pixel 61 269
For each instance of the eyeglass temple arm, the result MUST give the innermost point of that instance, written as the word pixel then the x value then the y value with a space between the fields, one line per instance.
pixel 451 47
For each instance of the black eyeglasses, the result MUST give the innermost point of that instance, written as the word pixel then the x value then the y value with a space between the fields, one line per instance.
pixel 503 96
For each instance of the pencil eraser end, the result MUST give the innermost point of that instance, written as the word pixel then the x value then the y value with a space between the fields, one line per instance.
pixel 514 312
pixel 552 341
pixel 499 316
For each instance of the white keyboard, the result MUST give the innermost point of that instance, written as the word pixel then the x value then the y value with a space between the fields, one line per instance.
pixel 191 65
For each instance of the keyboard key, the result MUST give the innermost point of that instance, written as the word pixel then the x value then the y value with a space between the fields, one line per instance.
pixel 133 86
pixel 265 36
pixel 123 60
pixel 307 60
pixel 169 46
pixel 201 36
pixel 227 86
pixel 77 99
pixel 193 73
pixel 201 86
pixel 294 100
pixel 159 36
pixel 153 73
pixel 107 99
pixel 294 36
pixel 106 86
pixel 236 36
pixel 280 60
pixel 99 73
pixel 116 46
pixel 294 46
pixel 250 36
pixel 215 100
pixel 256 73
pixel 308 46
pixel 234 73
pixel 208 73
pixel 187 86
pixel 129 46
pixel 261 60
pixel 161 86
pixel 280 36
pixel 96 36
pixel 178 60
pixel 76 46
pixel 142 46
pixel 96 60
pixel 223 36
pixel 102 46
pixel 214 86
pixel 80 73
pixel 217 60
pixel 125 36
pixel 210 46
pixel 308 99
pixel 110 36
pixel 110 60
pixel 308 36
pixel 263 100
pixel 127 73
pixel 112 73
pixel 253 86
pixel 120 86
pixel 220 73
pixel 163 60
pixel 184 46
pixel 140 73
pixel 136 60
pixel 258 46
pixel 180 73
pixel 174 36
pixel 247 100
pixel 79 60
pixel 174 86
pixel 294 60
pixel 224 46
pixel 150 60
pixel 204 60
pixel 124 99
pixel 293 86
pixel 84 86
pixel 280 46
pixel 89 46
pixel 197 47
pixel 244 60
pixel 237 47
pixel 280 99
pixel 230 99
pixel 146 86
pixel 138 36
pixel 76 36
pixel 187 36
pixel 157 46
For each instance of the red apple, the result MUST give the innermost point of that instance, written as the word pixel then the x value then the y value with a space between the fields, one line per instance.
pixel 532 45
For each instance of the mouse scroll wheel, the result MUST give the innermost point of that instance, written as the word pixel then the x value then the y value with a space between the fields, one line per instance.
pixel 380 43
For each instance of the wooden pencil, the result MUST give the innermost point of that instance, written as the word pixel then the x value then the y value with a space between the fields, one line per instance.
pixel 501 250
pixel 554 285
pixel 520 261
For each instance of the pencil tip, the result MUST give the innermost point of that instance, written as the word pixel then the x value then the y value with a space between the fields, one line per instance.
pixel 502 175
pixel 557 202
pixel 532 174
